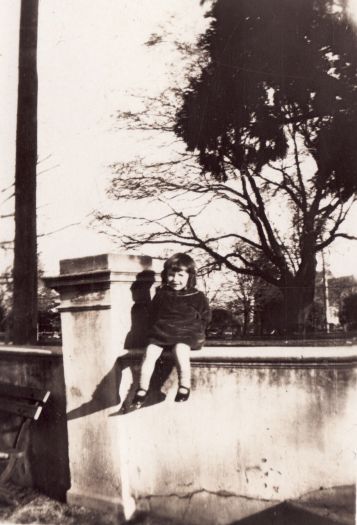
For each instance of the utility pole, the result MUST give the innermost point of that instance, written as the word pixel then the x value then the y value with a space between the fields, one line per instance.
pixel 25 250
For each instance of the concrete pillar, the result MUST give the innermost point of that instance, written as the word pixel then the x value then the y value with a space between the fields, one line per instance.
pixel 103 308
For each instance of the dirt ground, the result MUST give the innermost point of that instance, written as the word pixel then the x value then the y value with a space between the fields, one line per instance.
pixel 42 510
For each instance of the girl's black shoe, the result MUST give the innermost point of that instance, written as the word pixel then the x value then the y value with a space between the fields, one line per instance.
pixel 183 394
pixel 139 398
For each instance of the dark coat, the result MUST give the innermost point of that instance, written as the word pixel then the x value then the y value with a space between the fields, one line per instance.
pixel 178 317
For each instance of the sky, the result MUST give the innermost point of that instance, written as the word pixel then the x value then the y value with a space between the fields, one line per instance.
pixel 92 58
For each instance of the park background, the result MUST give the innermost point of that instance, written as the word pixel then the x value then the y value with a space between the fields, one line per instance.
pixel 94 61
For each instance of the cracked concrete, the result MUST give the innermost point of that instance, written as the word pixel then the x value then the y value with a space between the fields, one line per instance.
pixel 189 495
pixel 233 450
pixel 203 506
pixel 334 505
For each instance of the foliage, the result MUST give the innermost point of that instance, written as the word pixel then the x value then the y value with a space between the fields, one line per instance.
pixel 283 63
pixel 348 312
pixel 278 93
pixel 48 314
pixel 6 291
pixel 268 310
pixel 222 319
pixel 317 317
pixel 48 317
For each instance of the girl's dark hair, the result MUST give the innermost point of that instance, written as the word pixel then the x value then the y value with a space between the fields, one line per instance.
pixel 177 262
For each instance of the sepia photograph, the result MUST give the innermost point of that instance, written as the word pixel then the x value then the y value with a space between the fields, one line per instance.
pixel 178 275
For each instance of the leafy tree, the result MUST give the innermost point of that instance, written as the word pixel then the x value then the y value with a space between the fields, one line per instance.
pixel 6 296
pixel 317 317
pixel 281 87
pixel 25 248
pixel 269 120
pixel 48 317
pixel 348 312
pixel 221 319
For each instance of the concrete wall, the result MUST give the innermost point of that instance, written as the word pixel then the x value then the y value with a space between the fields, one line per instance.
pixel 251 435
pixel 48 452
pixel 262 424
pixel 256 430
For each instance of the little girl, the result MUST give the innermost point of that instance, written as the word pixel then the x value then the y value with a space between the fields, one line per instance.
pixel 178 319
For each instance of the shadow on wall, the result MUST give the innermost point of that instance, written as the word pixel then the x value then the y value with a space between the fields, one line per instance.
pixel 140 291
pixel 285 514
pixel 332 506
pixel 106 394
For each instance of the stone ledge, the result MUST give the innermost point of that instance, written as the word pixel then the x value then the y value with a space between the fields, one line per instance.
pixel 276 355
pixel 233 354
pixel 44 351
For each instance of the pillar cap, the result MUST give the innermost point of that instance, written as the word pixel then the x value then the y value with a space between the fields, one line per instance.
pixel 113 262
pixel 103 269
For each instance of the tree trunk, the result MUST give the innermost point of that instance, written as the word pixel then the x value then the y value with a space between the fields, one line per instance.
pixel 246 315
pixel 298 297
pixel 25 255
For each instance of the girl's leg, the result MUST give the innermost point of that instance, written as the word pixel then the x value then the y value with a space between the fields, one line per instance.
pixel 182 357
pixel 152 354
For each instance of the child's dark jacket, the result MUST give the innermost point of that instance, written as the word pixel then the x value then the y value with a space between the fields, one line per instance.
pixel 178 317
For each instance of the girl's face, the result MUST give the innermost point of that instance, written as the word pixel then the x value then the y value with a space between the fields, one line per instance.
pixel 177 278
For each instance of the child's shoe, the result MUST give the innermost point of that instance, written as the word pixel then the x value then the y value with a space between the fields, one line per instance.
pixel 139 398
pixel 183 394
